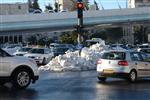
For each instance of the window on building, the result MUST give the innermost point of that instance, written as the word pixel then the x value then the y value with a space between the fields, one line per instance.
pixel 15 39
pixel 1 39
pixel 19 7
pixel 20 38
pixel 10 39
pixel 6 38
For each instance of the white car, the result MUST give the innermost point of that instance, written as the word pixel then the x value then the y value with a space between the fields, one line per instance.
pixel 40 55
pixel 145 50
pixel 22 51
pixel 20 71
pixel 12 48
pixel 123 64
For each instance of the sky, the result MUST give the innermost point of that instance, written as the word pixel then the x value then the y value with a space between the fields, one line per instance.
pixel 107 4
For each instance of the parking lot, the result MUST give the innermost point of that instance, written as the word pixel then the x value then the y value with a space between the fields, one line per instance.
pixel 78 86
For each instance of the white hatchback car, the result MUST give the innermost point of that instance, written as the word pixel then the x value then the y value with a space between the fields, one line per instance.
pixel 20 71
pixel 123 64
pixel 40 55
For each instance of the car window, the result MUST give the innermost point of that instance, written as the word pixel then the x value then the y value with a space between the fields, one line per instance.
pixel 114 55
pixel 24 49
pixel 40 51
pixel 145 57
pixel 135 56
pixel 47 51
pixel 145 50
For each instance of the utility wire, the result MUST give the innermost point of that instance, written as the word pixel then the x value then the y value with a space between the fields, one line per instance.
pixel 119 4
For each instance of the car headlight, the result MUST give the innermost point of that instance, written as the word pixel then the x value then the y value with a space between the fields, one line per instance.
pixel 37 57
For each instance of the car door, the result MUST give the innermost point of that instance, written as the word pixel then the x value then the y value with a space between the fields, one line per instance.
pixel 5 63
pixel 146 61
pixel 138 64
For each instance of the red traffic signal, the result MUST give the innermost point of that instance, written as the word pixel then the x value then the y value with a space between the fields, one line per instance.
pixel 80 5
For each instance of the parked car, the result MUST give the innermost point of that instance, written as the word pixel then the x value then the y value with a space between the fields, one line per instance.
pixel 123 64
pixel 40 55
pixel 12 48
pixel 20 71
pixel 22 51
pixel 145 50
pixel 52 45
pixel 146 45
pixel 60 50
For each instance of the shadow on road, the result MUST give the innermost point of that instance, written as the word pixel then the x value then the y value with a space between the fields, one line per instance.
pixel 142 84
pixel 125 82
pixel 12 93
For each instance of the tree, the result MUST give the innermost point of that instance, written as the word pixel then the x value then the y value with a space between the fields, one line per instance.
pixel 114 34
pixel 102 35
pixel 36 5
pixel 140 35
pixel 49 7
pixel 30 4
pixel 68 37
pixel 56 7
pixel 32 40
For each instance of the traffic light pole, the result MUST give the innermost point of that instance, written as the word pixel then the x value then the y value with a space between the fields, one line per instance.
pixel 80 8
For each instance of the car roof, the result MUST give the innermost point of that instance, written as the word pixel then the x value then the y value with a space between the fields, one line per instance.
pixel 120 51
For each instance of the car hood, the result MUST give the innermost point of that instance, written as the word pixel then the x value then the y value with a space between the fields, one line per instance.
pixel 20 58
pixel 20 52
pixel 31 54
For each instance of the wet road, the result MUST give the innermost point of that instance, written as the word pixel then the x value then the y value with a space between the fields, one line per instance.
pixel 78 86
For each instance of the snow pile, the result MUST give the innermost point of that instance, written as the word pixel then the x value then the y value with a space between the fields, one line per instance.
pixel 72 61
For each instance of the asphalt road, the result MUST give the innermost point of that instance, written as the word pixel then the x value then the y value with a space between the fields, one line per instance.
pixel 78 86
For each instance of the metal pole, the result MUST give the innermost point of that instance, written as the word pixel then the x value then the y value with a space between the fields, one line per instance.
pixel 80 26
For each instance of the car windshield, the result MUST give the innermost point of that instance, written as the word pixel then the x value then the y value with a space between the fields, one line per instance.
pixel 114 56
pixel 24 49
pixel 145 50
pixel 60 49
pixel 40 51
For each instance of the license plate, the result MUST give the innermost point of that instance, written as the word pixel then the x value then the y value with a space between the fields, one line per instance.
pixel 108 71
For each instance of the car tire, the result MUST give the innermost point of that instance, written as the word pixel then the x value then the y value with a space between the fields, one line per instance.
pixel 133 76
pixel 102 79
pixel 44 61
pixel 21 78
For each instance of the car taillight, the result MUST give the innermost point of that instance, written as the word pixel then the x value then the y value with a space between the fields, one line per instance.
pixel 123 63
pixel 99 61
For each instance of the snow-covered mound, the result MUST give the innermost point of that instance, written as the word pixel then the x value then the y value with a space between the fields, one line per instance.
pixel 72 61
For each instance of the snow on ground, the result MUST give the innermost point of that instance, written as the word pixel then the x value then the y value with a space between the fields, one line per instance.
pixel 72 61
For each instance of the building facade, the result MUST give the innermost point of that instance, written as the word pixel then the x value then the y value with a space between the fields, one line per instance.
pixel 131 3
pixel 13 9
pixel 138 3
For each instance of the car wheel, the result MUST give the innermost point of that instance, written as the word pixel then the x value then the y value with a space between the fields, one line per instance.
pixel 132 76
pixel 44 61
pixel 103 79
pixel 21 78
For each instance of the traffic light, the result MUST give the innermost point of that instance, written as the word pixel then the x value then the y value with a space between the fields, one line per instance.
pixel 80 7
